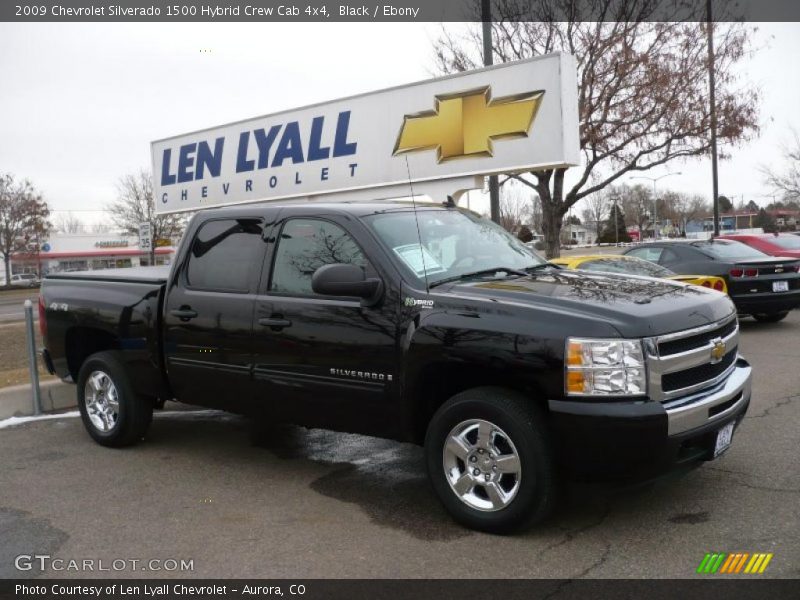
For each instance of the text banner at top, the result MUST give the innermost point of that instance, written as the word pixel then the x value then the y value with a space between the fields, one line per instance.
pixel 259 11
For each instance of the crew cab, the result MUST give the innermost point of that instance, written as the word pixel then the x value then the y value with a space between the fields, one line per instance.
pixel 422 323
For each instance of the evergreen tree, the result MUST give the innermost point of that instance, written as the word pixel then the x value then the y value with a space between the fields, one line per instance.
pixel 614 229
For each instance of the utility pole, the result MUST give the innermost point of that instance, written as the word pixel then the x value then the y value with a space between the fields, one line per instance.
pixel 713 109
pixel 494 185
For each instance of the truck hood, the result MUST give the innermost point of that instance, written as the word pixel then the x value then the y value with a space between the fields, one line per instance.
pixel 634 306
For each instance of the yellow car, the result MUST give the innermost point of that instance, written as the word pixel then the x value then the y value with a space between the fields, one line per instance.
pixel 616 263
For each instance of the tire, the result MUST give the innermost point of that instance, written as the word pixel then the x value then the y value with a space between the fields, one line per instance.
pixel 113 424
pixel 516 496
pixel 770 317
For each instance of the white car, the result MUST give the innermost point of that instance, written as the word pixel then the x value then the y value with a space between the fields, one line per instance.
pixel 29 279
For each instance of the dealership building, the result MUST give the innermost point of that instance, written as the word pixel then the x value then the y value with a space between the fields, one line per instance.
pixel 80 252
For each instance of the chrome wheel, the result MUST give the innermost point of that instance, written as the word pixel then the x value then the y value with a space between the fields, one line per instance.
pixel 102 401
pixel 482 465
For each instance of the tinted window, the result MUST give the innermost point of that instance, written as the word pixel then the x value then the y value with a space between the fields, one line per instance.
pixel 225 255
pixel 305 245
pixel 728 249
pixel 647 253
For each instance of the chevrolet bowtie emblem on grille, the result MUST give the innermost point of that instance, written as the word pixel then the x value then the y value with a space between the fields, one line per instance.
pixel 465 124
pixel 717 350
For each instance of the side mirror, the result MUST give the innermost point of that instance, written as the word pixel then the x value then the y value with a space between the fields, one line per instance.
pixel 341 279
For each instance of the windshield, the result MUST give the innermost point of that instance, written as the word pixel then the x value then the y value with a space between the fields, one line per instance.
pixel 454 243
pixel 789 242
pixel 631 266
pixel 729 249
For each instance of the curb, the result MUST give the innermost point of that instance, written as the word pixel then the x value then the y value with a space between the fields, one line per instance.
pixel 16 401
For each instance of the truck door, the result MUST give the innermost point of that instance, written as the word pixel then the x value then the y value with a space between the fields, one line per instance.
pixel 321 360
pixel 209 313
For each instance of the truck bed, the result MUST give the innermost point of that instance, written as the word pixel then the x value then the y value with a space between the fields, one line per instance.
pixel 157 275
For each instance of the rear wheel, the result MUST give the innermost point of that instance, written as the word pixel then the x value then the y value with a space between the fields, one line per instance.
pixel 113 414
pixel 489 458
pixel 770 317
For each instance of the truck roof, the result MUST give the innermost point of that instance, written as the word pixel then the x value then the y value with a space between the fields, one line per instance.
pixel 356 208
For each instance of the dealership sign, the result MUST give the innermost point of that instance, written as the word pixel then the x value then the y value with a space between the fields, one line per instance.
pixel 508 118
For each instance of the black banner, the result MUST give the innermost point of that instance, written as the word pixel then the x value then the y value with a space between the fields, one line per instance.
pixel 389 589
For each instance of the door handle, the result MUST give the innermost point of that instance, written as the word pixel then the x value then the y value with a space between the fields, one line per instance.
pixel 184 313
pixel 275 322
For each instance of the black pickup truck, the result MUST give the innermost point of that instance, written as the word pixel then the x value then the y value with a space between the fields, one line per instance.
pixel 423 324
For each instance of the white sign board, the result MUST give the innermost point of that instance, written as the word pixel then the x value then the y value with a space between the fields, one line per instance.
pixel 145 237
pixel 507 118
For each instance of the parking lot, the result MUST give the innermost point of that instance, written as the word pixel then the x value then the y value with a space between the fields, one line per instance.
pixel 309 503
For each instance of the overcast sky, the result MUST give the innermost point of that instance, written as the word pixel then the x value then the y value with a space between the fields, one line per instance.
pixel 80 103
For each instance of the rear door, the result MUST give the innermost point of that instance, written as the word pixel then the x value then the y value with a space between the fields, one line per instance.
pixel 322 360
pixel 209 313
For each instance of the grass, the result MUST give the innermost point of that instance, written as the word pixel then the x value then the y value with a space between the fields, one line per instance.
pixel 14 356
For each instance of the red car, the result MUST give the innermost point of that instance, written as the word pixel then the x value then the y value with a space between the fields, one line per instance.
pixel 782 244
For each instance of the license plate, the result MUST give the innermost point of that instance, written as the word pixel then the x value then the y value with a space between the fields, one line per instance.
pixel 780 286
pixel 724 437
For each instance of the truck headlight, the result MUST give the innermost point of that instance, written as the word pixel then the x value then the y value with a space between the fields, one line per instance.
pixel 605 368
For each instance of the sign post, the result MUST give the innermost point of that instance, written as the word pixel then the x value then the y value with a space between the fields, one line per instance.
pixel 146 240
pixel 507 118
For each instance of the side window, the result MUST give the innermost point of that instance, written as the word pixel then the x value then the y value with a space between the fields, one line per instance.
pixel 651 254
pixel 225 255
pixel 669 256
pixel 304 246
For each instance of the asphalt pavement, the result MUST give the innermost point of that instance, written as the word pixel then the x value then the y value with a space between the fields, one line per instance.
pixel 303 503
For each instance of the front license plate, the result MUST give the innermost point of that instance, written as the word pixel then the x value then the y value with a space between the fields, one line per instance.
pixel 724 437
pixel 780 286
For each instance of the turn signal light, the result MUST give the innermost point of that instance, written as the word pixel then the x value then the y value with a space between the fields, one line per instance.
pixel 719 285
pixel 707 284
pixel 736 272
pixel 750 272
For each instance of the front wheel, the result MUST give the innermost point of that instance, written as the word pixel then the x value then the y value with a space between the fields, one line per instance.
pixel 490 461
pixel 112 412
pixel 770 317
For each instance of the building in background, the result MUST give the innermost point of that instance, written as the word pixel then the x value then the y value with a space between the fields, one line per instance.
pixel 81 252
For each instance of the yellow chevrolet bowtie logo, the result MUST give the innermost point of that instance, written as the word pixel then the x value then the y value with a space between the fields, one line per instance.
pixel 465 124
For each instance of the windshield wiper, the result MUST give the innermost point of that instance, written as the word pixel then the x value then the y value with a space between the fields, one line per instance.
pixel 510 271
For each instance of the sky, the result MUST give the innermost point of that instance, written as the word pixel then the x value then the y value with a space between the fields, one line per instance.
pixel 80 103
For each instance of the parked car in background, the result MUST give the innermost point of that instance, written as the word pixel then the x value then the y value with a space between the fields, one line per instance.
pixel 763 286
pixel 782 244
pixel 25 279
pixel 616 263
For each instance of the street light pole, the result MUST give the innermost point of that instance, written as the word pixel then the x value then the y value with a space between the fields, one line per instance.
pixel 494 185
pixel 655 198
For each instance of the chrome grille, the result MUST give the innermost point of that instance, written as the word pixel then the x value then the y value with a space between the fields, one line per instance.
pixel 682 363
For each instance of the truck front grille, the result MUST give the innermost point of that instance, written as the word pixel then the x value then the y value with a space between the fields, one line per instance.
pixel 696 375
pixel 696 341
pixel 686 362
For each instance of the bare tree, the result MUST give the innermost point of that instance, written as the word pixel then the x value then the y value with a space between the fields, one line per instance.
pixel 66 222
pixel 642 85
pixel 681 208
pixel 637 204
pixel 516 207
pixel 101 227
pixel 596 210
pixel 23 219
pixel 786 180
pixel 135 205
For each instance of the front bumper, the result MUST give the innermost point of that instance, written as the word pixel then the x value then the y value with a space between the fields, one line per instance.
pixel 643 439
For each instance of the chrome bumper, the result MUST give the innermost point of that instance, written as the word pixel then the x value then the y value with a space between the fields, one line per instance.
pixel 713 404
